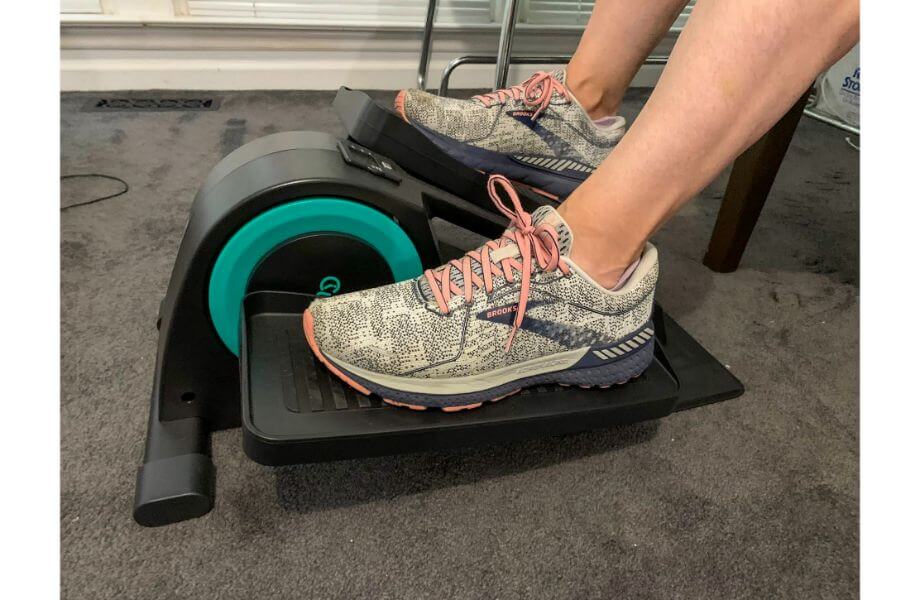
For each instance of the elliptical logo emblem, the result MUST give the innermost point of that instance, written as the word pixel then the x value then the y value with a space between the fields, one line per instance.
pixel 328 286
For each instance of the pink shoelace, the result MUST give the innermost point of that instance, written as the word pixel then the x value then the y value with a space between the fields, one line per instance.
pixel 540 243
pixel 537 92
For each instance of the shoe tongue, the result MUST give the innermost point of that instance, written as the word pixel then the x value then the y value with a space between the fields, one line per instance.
pixel 559 75
pixel 543 214
pixel 547 214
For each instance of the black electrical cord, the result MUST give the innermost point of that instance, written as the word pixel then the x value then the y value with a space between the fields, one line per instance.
pixel 94 200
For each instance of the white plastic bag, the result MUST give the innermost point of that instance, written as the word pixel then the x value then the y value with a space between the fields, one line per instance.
pixel 838 89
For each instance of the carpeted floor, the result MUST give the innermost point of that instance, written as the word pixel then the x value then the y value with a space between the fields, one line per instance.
pixel 752 498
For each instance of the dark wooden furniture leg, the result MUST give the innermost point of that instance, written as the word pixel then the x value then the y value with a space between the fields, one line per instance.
pixel 748 186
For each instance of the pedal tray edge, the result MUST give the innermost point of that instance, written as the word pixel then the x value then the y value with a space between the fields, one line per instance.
pixel 295 411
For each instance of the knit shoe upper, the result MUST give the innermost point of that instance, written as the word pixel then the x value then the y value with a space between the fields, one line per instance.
pixel 539 119
pixel 517 303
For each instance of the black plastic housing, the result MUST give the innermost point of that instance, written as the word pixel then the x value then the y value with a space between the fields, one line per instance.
pixel 196 386
pixel 197 380
pixel 295 411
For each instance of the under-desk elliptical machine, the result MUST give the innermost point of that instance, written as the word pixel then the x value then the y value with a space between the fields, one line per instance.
pixel 296 215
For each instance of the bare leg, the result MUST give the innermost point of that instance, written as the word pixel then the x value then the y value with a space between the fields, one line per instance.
pixel 736 69
pixel 619 36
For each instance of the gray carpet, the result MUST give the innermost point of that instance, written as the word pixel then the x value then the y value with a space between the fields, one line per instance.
pixel 752 498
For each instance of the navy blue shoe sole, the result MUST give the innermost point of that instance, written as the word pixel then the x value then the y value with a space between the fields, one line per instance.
pixel 555 183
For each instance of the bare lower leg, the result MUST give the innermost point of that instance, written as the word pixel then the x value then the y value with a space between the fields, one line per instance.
pixel 736 69
pixel 618 38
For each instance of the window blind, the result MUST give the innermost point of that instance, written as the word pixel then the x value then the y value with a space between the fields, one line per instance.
pixel 556 12
pixel 81 6
pixel 347 12
pixel 571 12
pixel 365 12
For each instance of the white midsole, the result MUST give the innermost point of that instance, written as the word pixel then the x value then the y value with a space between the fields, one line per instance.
pixel 469 383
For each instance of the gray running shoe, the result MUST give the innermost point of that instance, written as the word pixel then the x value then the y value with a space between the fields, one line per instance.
pixel 514 313
pixel 535 133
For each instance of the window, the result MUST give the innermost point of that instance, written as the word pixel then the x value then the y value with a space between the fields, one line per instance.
pixel 570 12
pixel 81 6
pixel 349 12
pixel 556 12
pixel 564 13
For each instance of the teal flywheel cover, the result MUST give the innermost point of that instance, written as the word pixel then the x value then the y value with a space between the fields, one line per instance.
pixel 256 239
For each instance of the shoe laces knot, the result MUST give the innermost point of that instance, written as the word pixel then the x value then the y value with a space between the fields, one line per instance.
pixel 536 245
pixel 536 93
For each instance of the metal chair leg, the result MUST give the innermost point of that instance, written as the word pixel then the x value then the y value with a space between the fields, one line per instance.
pixel 426 45
pixel 516 60
pixel 504 44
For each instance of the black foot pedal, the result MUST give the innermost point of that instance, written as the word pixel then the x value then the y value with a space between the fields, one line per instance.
pixel 295 411
pixel 385 132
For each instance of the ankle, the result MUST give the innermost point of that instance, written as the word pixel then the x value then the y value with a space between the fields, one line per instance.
pixel 594 252
pixel 606 272
pixel 595 99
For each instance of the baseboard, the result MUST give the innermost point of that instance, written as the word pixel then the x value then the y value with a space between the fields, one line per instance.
pixel 279 72
pixel 95 58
